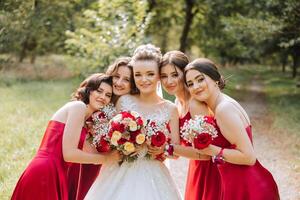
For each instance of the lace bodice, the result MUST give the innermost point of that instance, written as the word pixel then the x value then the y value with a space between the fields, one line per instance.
pixel 160 112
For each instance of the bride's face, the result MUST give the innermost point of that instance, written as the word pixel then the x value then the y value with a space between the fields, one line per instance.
pixel 146 75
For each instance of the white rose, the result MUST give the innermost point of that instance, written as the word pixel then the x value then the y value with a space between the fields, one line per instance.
pixel 117 118
pixel 135 114
pixel 117 135
pixel 132 126
pixel 114 141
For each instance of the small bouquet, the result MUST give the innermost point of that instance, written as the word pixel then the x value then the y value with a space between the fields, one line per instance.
pixel 98 125
pixel 199 131
pixel 125 133
pixel 157 133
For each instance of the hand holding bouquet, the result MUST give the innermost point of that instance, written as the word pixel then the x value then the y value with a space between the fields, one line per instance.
pixel 199 131
pixel 157 135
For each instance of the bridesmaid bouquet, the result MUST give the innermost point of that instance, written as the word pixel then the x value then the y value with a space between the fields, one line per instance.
pixel 98 125
pixel 157 133
pixel 199 131
pixel 125 133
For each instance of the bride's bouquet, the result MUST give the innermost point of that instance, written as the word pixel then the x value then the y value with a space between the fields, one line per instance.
pixel 98 125
pixel 125 133
pixel 199 131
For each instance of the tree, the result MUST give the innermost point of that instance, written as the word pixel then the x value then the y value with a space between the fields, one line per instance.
pixel 108 30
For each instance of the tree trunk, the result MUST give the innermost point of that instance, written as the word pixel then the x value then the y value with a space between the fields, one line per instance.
pixel 296 61
pixel 189 15
pixel 284 59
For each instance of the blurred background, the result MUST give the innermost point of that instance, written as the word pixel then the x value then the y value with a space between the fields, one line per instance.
pixel 47 47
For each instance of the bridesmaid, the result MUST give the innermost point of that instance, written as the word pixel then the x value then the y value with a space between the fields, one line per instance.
pixel 123 83
pixel 202 174
pixel 46 175
pixel 242 176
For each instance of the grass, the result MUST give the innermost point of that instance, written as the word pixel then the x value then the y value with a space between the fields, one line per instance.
pixel 25 109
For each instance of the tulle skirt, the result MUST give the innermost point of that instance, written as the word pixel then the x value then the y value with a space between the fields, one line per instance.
pixel 143 179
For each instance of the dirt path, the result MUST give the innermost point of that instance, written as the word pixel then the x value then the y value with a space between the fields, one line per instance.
pixel 275 149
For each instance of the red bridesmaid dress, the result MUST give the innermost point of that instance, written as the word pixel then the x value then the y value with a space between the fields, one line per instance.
pixel 81 176
pixel 45 178
pixel 203 179
pixel 243 182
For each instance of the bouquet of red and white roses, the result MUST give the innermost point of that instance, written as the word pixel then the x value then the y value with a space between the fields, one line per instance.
pixel 98 125
pixel 125 133
pixel 199 131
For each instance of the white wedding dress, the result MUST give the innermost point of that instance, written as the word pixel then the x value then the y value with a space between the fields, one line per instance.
pixel 143 179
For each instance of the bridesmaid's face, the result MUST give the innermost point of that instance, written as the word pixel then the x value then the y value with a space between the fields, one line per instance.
pixel 121 81
pixel 101 96
pixel 199 85
pixel 172 79
pixel 146 75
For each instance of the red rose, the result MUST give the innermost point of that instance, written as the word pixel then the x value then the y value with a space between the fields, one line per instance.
pixel 211 120
pixel 122 141
pixel 133 135
pixel 127 115
pixel 202 140
pixel 103 145
pixel 139 121
pixel 117 127
pixel 158 139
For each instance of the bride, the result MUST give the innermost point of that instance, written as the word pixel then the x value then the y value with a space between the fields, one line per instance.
pixel 147 179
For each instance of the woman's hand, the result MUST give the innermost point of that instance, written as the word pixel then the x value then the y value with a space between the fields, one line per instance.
pixel 114 156
pixel 154 151
pixel 211 150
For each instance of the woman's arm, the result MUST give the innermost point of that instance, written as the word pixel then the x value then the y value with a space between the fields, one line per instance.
pixel 189 152
pixel 233 129
pixel 75 120
pixel 195 108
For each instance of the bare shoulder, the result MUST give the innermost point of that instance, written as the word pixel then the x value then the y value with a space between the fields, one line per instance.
pixel 225 109
pixel 76 105
pixel 198 108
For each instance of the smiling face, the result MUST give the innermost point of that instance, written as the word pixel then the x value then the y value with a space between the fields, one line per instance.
pixel 200 86
pixel 121 81
pixel 100 97
pixel 146 75
pixel 172 79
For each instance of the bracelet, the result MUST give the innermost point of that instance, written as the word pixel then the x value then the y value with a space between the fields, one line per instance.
pixel 219 159
pixel 169 150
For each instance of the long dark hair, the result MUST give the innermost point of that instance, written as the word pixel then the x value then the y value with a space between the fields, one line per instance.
pixel 176 58
pixel 91 83
pixel 206 66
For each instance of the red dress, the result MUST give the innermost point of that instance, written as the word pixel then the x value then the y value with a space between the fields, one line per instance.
pixel 81 176
pixel 242 182
pixel 45 178
pixel 203 179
